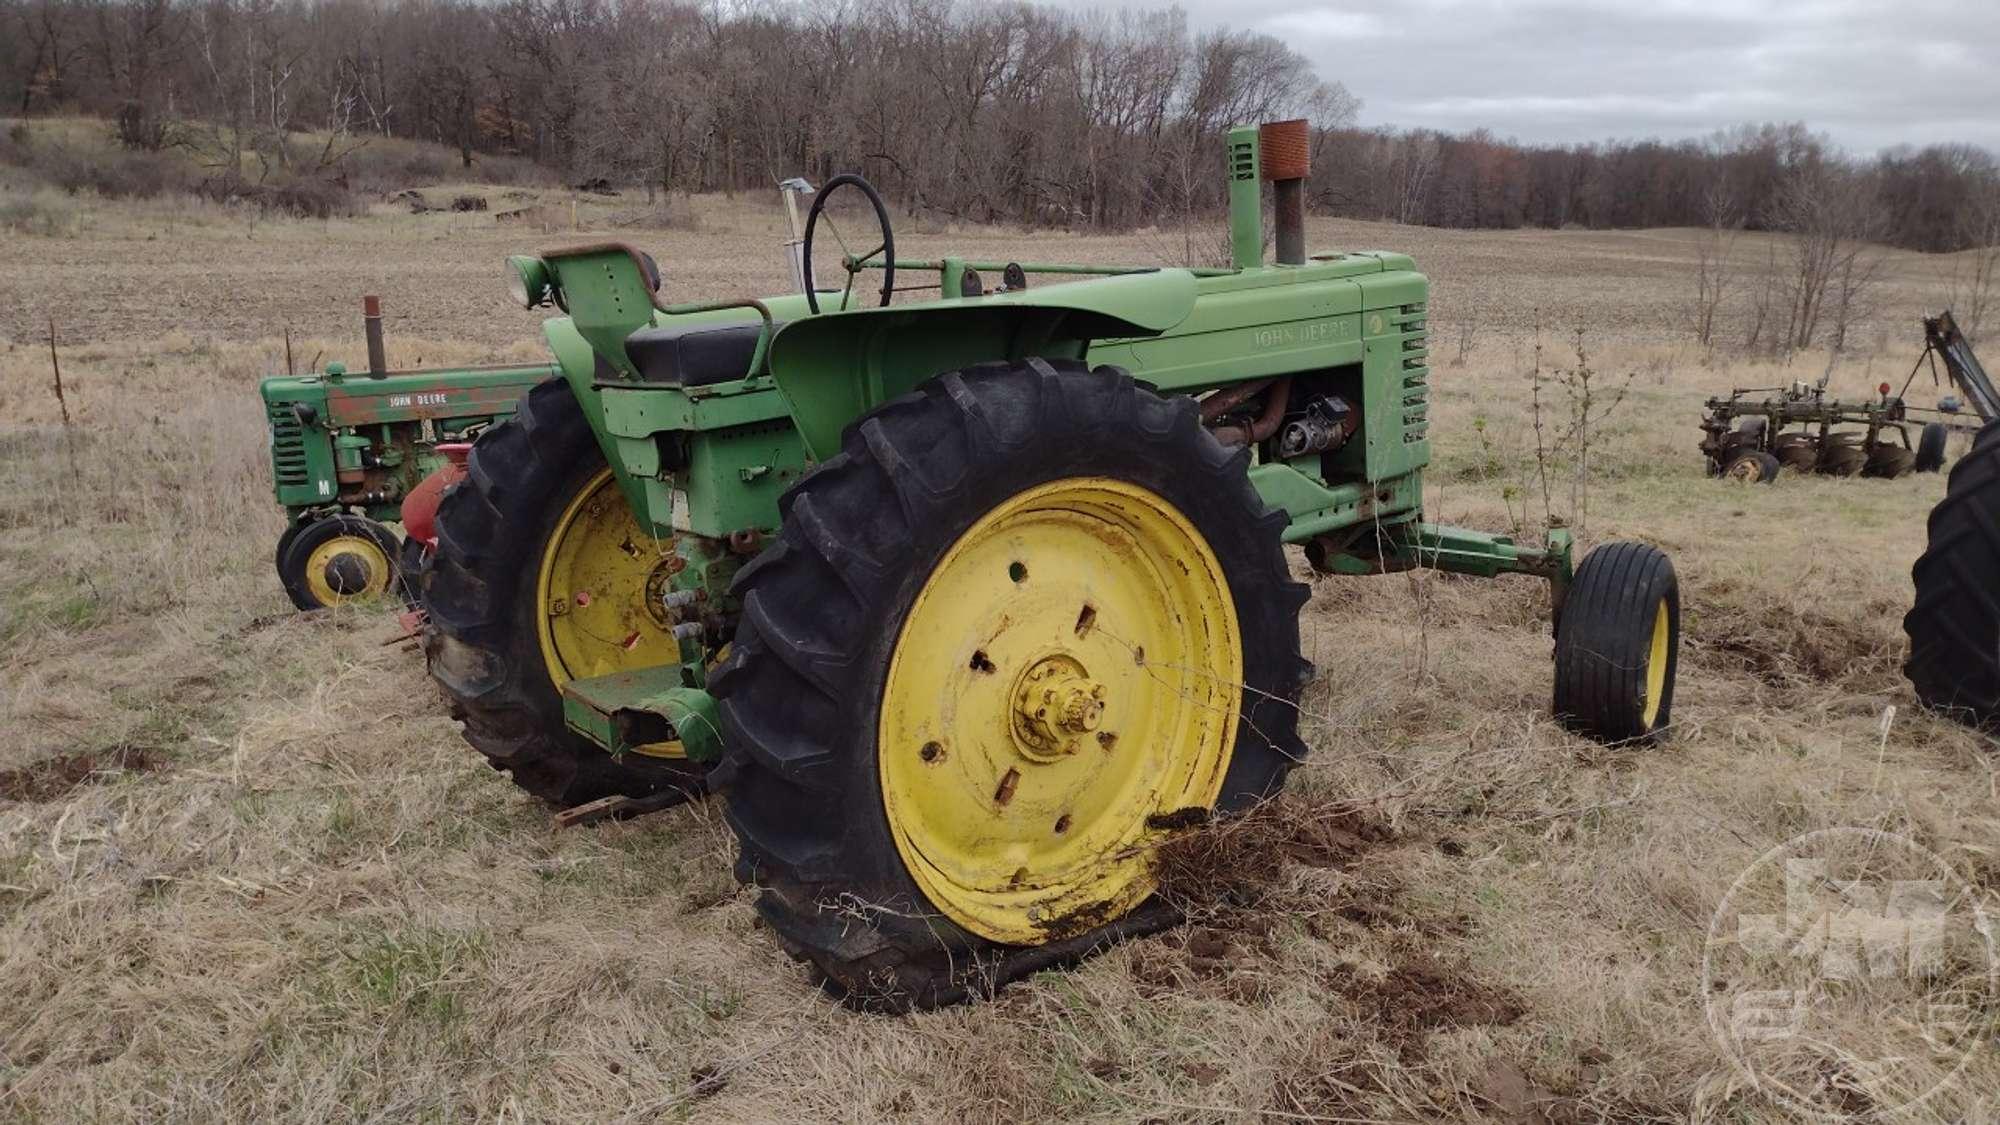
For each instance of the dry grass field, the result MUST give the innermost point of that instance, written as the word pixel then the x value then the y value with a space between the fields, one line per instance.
pixel 248 871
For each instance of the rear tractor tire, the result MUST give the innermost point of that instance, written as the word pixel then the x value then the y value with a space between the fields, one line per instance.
pixel 337 560
pixel 1750 466
pixel 1618 641
pixel 1954 625
pixel 1029 624
pixel 540 576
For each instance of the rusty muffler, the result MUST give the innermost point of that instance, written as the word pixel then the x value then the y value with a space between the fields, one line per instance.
pixel 1285 155
pixel 371 323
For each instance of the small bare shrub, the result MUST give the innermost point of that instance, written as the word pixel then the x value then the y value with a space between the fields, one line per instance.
pixel 43 212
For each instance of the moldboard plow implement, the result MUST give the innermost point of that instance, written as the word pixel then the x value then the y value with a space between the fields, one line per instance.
pixel 966 604
pixel 1798 428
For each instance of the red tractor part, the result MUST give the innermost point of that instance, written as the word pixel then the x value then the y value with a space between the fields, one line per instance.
pixel 421 505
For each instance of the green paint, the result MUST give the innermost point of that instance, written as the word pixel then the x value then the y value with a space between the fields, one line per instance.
pixel 384 431
pixel 702 463
pixel 638 708
pixel 1246 199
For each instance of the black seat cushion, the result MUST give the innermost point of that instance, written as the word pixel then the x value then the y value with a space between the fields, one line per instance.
pixel 694 355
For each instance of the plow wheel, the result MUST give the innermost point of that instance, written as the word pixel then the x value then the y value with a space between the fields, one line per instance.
pixel 1841 455
pixel 1797 453
pixel 540 577
pixel 1930 447
pixel 1889 461
pixel 1954 626
pixel 1748 466
pixel 1031 622
pixel 1618 644
pixel 337 560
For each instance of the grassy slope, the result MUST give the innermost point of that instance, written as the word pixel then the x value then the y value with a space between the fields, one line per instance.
pixel 305 898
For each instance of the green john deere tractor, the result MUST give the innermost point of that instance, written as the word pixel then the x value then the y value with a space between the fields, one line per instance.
pixel 965 604
pixel 347 449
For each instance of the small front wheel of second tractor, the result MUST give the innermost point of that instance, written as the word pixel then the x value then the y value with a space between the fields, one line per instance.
pixel 1751 466
pixel 1028 625
pixel 335 560
pixel 1618 638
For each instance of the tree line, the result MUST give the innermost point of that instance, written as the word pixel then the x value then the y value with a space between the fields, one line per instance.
pixel 977 111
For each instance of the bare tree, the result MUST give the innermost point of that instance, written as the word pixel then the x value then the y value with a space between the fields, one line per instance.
pixel 1714 265
pixel 1972 277
pixel 1832 215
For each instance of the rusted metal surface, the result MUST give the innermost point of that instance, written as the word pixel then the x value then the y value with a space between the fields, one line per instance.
pixel 371 323
pixel 1285 149
pixel 1943 339
pixel 1229 398
pixel 420 506
pixel 361 403
pixel 1265 424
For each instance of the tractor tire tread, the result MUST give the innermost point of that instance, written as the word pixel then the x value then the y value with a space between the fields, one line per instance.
pixel 1603 639
pixel 480 644
pixel 1954 622
pixel 823 606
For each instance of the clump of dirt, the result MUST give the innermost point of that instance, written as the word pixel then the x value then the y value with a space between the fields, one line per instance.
pixel 1417 996
pixel 1235 862
pixel 48 780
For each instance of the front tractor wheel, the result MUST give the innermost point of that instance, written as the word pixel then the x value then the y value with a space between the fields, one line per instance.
pixel 541 576
pixel 336 560
pixel 1030 622
pixel 1618 641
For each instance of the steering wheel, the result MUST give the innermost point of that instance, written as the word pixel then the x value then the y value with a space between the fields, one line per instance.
pixel 849 261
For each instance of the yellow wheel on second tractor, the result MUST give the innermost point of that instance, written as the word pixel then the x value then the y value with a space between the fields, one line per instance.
pixel 337 560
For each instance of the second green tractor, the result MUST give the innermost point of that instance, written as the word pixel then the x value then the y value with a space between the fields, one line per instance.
pixel 966 604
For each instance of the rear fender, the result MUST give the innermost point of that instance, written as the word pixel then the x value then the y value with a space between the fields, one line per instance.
pixel 834 368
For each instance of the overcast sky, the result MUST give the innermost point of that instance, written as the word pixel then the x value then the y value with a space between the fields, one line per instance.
pixel 1870 73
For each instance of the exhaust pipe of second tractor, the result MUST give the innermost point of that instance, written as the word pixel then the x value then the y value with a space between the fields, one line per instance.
pixel 371 324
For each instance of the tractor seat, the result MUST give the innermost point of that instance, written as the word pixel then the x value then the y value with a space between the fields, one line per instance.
pixel 694 355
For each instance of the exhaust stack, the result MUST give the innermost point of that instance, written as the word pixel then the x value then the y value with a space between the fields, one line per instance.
pixel 371 324
pixel 1285 149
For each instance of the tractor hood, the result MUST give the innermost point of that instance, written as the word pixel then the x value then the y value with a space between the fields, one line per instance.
pixel 830 367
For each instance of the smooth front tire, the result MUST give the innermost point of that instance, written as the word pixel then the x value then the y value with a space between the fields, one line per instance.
pixel 1028 624
pixel 1618 645
pixel 1931 446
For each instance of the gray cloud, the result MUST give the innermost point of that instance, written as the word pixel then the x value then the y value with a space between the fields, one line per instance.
pixel 1871 73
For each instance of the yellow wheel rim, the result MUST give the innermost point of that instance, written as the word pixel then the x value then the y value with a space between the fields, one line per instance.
pixel 594 613
pixel 1069 673
pixel 1746 469
pixel 1656 665
pixel 358 547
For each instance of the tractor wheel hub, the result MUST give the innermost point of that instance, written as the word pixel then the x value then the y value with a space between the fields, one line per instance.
pixel 1056 703
pixel 347 574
